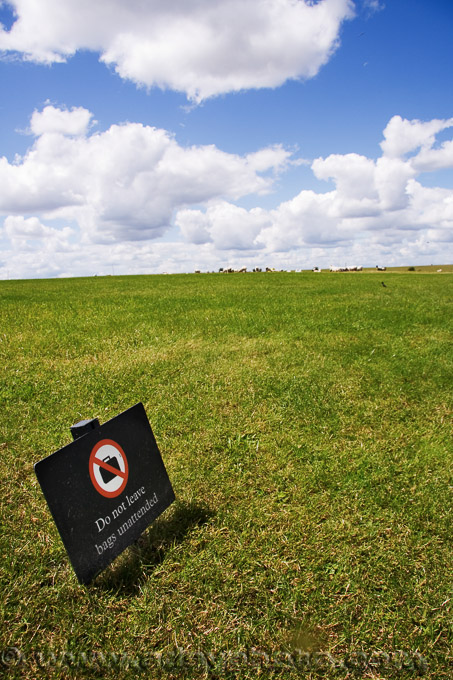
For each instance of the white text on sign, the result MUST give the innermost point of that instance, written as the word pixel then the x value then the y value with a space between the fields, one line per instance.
pixel 103 522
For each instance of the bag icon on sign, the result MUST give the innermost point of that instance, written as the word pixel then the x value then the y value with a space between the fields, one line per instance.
pixel 106 475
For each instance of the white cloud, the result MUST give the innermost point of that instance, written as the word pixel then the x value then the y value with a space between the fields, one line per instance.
pixel 392 177
pixel 202 47
pixel 124 183
pixel 23 233
pixel 440 158
pixel 431 207
pixel 403 136
pixel 52 119
pixel 373 6
pixel 370 196
pixel 227 226
pixel 353 174
pixel 83 202
pixel 194 226
pixel 274 158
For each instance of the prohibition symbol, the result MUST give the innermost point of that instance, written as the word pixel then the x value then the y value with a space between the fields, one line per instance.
pixel 108 468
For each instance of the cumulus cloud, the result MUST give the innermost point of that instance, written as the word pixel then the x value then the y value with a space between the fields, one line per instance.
pixel 274 158
pixel 51 119
pixel 24 234
pixel 403 136
pixel 227 226
pixel 202 48
pixel 132 184
pixel 126 182
pixel 355 180
pixel 370 195
pixel 434 159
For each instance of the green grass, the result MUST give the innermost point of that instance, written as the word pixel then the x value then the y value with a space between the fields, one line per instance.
pixel 305 422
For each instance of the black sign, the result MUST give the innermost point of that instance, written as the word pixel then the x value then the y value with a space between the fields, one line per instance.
pixel 104 489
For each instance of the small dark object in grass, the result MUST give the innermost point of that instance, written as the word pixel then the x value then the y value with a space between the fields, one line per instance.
pixel 383 284
pixel 411 269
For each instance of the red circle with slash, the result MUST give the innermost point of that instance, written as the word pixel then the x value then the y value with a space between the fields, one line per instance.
pixel 108 467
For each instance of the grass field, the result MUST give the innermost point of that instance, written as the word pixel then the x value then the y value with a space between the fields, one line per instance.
pixel 305 422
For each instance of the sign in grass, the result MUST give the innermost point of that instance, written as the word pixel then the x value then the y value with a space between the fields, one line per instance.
pixel 104 489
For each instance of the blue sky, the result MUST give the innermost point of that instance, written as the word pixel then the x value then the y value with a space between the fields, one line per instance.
pixel 224 133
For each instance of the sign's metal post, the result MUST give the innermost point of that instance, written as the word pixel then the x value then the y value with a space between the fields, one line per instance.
pixel 83 427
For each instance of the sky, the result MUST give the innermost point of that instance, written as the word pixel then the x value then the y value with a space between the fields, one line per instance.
pixel 177 135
